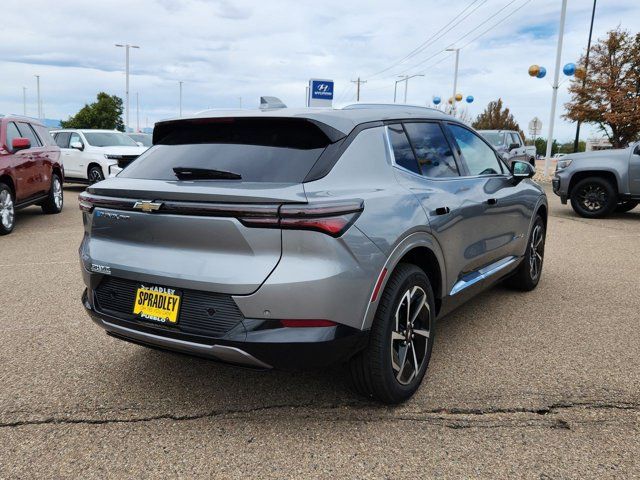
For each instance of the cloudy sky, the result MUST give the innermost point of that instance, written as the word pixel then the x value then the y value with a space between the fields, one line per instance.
pixel 224 50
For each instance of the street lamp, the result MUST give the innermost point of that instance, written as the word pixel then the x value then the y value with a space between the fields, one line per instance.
pixel 126 46
pixel 38 98
pixel 405 79
pixel 455 74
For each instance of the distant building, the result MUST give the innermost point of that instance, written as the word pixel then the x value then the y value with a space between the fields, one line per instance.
pixel 598 144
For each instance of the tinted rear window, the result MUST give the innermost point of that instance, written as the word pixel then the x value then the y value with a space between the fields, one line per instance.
pixel 260 150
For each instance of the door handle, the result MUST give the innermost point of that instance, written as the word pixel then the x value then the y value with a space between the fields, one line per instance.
pixel 442 210
pixel 492 201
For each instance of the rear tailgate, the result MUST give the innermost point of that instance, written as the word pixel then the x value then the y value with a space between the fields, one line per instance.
pixel 197 243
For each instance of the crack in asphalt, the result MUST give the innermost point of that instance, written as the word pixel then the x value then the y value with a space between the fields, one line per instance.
pixel 449 417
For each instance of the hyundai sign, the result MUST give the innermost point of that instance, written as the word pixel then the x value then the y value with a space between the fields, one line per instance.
pixel 320 93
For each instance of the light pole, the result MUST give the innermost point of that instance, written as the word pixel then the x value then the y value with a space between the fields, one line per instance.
pixel 576 143
pixel 38 95
pixel 137 113
pixel 24 101
pixel 405 79
pixel 180 110
pixel 126 46
pixel 554 96
pixel 455 75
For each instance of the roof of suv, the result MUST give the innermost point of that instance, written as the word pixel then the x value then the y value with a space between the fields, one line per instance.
pixel 85 130
pixel 21 118
pixel 343 120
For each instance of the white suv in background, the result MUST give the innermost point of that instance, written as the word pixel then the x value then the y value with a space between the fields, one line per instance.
pixel 89 156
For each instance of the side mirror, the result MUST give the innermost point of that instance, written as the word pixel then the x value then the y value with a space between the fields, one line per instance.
pixel 20 143
pixel 522 170
pixel 140 144
pixel 513 146
pixel 636 151
pixel 77 145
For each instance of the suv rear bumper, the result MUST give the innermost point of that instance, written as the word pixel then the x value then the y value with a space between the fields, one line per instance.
pixel 256 343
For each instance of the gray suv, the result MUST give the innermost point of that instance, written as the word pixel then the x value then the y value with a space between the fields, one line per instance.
pixel 299 238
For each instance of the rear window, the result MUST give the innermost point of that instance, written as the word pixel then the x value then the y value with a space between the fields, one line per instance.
pixel 259 150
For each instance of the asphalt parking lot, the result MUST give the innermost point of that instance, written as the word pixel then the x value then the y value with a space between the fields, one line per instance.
pixel 537 385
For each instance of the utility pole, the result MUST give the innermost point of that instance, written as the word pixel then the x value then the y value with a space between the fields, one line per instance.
pixel 576 143
pixel 24 101
pixel 358 82
pixel 455 76
pixel 126 47
pixel 240 101
pixel 405 79
pixel 554 96
pixel 180 82
pixel 38 94
pixel 137 113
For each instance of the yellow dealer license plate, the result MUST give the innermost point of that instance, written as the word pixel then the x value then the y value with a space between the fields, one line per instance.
pixel 157 304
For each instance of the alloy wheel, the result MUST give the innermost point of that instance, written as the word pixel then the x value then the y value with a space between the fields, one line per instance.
pixel 536 252
pixel 6 209
pixel 95 176
pixel 410 337
pixel 57 193
pixel 593 197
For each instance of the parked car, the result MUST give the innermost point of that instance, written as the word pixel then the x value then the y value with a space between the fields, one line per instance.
pixel 510 145
pixel 599 182
pixel 295 238
pixel 90 156
pixel 30 169
pixel 558 156
pixel 142 139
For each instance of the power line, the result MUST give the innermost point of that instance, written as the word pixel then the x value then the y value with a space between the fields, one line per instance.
pixel 494 25
pixel 436 36
pixel 485 21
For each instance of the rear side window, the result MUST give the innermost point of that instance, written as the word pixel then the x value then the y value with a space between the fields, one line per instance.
pixel 62 139
pixel 258 150
pixel 27 132
pixel 12 132
pixel 44 134
pixel 402 151
pixel 434 154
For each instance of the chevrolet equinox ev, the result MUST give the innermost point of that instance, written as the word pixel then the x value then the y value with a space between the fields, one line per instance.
pixel 294 238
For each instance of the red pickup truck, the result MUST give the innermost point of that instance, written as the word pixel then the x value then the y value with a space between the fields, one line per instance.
pixel 30 169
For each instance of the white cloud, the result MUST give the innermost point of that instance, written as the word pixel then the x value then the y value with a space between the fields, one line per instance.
pixel 227 49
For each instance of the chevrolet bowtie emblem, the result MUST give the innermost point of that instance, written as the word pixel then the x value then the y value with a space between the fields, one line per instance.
pixel 147 206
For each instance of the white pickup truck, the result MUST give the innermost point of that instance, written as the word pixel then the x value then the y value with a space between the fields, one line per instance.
pixel 510 145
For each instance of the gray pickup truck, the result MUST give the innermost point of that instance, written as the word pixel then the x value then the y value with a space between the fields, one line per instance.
pixel 510 145
pixel 599 183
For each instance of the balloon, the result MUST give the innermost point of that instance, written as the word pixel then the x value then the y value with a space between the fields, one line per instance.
pixel 581 72
pixel 534 70
pixel 542 72
pixel 458 97
pixel 569 69
pixel 436 100
pixel 470 99
pixel 450 100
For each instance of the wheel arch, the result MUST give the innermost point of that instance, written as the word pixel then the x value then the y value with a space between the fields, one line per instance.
pixel 605 174
pixel 95 164
pixel 7 180
pixel 420 249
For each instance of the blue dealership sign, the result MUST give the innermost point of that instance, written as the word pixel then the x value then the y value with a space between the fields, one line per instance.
pixel 320 93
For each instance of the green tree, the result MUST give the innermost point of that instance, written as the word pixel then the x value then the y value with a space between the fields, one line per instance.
pixel 105 112
pixel 541 146
pixel 610 97
pixel 568 147
pixel 495 117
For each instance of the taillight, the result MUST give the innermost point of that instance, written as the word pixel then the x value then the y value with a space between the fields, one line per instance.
pixel 331 218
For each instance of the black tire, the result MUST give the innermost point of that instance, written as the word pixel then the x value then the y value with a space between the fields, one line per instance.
pixel 7 210
pixel 626 206
pixel 594 197
pixel 532 161
pixel 527 275
pixel 373 372
pixel 95 174
pixel 54 202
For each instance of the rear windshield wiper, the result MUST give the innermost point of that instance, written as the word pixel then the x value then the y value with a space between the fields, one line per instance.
pixel 189 173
